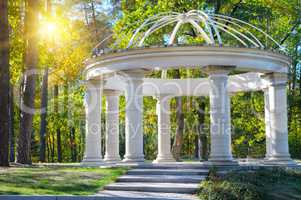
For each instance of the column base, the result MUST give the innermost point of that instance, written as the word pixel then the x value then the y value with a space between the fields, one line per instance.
pixel 165 159
pixel 112 159
pixel 92 162
pixel 133 159
pixel 279 161
pixel 219 161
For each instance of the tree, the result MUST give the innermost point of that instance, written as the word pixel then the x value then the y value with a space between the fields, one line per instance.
pixel 43 124
pixel 28 95
pixel 44 102
pixel 11 125
pixel 4 83
pixel 202 137
pixel 58 130
pixel 178 142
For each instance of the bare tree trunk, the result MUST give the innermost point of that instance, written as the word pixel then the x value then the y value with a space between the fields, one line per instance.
pixel 178 142
pixel 82 139
pixel 73 145
pixel 94 19
pixel 196 147
pixel 65 109
pixel 43 124
pixel 58 130
pixel 11 126
pixel 31 60
pixel 300 81
pixel 4 84
pixel 52 147
pixel 86 13
pixel 59 145
pixel 48 148
pixel 203 139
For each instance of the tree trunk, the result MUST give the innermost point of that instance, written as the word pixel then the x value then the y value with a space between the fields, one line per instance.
pixel 4 84
pixel 94 19
pixel 203 139
pixel 59 145
pixel 58 131
pixel 86 13
pixel 65 110
pixel 48 148
pixel 300 81
pixel 178 142
pixel 11 126
pixel 43 124
pixel 81 146
pixel 196 147
pixel 73 145
pixel 31 60
pixel 52 147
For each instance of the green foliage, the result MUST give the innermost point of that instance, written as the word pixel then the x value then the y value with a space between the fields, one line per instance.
pixel 66 50
pixel 247 109
pixel 251 185
pixel 248 124
pixel 17 44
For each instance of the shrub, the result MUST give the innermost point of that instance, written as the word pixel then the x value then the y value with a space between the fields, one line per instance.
pixel 244 185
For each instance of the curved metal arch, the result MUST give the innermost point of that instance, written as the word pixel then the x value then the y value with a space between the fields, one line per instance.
pixel 153 30
pixel 153 17
pixel 202 13
pixel 239 33
pixel 160 23
pixel 174 32
pixel 192 15
pixel 148 20
pixel 233 35
pixel 250 33
pixel 248 24
pixel 208 25
pixel 201 31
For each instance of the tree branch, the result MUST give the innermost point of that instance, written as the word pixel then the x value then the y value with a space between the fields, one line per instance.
pixel 290 32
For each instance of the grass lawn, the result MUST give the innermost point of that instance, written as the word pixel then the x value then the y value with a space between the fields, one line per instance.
pixel 269 184
pixel 56 180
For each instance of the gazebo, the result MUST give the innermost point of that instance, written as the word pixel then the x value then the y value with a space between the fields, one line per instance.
pixel 122 72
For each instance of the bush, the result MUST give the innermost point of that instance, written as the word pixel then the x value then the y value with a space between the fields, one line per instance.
pixel 247 185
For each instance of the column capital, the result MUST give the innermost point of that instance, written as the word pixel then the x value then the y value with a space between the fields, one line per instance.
pixel 133 73
pixel 165 97
pixel 217 69
pixel 108 92
pixel 98 83
pixel 275 79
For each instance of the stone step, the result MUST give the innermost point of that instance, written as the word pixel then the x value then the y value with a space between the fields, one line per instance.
pixel 172 166
pixel 183 188
pixel 161 178
pixel 179 172
pixel 131 195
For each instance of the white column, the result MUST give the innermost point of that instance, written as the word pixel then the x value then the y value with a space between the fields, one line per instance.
pixel 220 119
pixel 163 113
pixel 112 126
pixel 134 117
pixel 277 112
pixel 93 154
pixel 267 123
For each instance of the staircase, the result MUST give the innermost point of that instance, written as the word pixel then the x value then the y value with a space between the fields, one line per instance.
pixel 169 180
